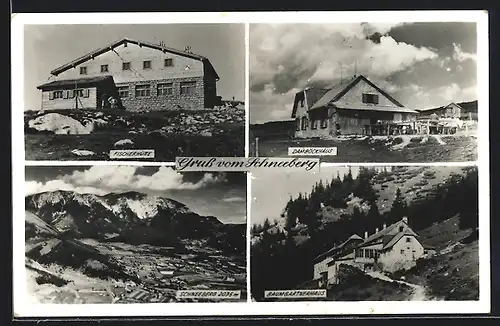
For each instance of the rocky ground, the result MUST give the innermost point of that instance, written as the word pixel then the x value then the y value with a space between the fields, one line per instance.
pixel 460 147
pixel 91 134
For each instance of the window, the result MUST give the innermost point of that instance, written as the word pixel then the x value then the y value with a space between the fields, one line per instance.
pixel 402 251
pixel 314 124
pixel 359 253
pixel 304 123
pixel 169 62
pixel 370 98
pixel 76 92
pixel 165 89
pixel 142 90
pixel 401 228
pixel 297 124
pixel 371 253
pixel 83 70
pixel 123 91
pixel 57 94
pixel 408 239
pixel 324 123
pixel 146 64
pixel 104 68
pixel 188 88
pixel 126 66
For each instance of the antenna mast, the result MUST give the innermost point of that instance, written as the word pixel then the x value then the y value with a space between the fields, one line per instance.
pixel 340 71
pixel 355 67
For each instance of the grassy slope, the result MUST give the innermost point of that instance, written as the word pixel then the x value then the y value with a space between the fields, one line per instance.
pixel 449 276
pixel 452 275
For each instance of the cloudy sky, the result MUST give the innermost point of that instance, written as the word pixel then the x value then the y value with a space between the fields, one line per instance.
pixel 221 195
pixel 420 64
pixel 47 47
pixel 271 191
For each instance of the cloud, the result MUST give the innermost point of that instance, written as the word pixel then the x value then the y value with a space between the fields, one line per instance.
pixel 295 56
pixel 34 187
pixel 462 56
pixel 287 58
pixel 422 97
pixel 234 199
pixel 105 179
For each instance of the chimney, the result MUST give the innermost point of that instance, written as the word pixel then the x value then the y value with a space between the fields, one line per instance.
pixel 385 225
pixel 366 234
pixel 376 230
pixel 405 219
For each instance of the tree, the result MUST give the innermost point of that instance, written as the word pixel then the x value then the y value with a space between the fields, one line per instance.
pixel 373 213
pixel 399 207
pixel 348 177
pixel 364 188
pixel 267 224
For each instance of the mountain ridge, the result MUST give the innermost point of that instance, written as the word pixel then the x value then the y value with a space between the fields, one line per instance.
pixel 131 217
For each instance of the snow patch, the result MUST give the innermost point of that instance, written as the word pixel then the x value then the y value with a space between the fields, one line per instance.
pixel 124 142
pixel 60 124
pixel 145 208
pixel 82 152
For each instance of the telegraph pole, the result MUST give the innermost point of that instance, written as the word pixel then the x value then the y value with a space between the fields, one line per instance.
pixel 76 96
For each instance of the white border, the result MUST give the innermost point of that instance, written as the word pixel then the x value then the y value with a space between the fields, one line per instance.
pixel 24 309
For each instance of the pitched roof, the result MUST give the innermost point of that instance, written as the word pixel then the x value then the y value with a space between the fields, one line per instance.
pixel 397 237
pixel 311 95
pixel 341 89
pixel 386 238
pixel 333 92
pixel 80 82
pixel 438 108
pixel 122 41
pixel 338 247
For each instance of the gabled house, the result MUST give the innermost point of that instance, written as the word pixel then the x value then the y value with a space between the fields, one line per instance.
pixel 147 76
pixel 389 249
pixel 451 110
pixel 321 262
pixel 354 106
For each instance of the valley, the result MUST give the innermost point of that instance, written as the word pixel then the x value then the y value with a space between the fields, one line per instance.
pixel 137 259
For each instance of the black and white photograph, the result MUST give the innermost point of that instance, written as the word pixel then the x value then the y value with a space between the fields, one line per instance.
pixel 378 92
pixel 395 233
pixel 133 234
pixel 96 92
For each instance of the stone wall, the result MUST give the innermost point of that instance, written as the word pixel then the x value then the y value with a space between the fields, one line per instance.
pixel 175 101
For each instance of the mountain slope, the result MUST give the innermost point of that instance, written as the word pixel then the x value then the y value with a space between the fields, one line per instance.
pixel 46 245
pixel 129 217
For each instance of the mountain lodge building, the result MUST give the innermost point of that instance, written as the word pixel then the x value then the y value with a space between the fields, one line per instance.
pixel 144 76
pixel 354 106
pixel 392 248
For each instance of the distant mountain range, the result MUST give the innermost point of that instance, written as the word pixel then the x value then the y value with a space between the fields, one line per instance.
pixel 129 217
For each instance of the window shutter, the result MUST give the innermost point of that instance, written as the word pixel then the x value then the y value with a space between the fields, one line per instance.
pixel 375 99
pixel 86 92
pixel 363 98
pixel 51 95
pixel 65 94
